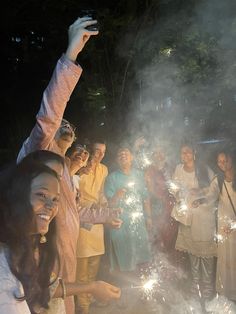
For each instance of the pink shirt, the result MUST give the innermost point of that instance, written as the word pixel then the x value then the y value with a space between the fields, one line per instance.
pixel 48 120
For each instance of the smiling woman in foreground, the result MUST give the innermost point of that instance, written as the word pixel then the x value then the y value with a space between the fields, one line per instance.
pixel 29 195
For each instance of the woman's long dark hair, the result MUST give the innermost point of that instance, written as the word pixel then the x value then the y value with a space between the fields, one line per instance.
pixel 201 170
pixel 220 175
pixel 17 221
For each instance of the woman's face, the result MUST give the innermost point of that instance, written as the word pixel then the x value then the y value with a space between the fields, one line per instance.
pixel 79 158
pixel 187 155
pixel 124 157
pixel 224 162
pixel 99 151
pixel 44 198
pixel 65 135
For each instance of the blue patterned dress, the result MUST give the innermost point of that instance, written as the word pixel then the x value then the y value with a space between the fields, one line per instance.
pixel 129 245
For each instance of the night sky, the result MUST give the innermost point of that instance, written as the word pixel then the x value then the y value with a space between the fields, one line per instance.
pixel 148 55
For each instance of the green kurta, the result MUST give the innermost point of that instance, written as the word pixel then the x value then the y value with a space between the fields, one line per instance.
pixel 129 245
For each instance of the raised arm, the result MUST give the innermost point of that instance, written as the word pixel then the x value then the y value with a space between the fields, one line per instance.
pixel 59 90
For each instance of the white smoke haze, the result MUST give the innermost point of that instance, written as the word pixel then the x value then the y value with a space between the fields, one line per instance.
pixel 175 94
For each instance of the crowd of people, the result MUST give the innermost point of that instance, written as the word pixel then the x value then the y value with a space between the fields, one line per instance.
pixel 61 209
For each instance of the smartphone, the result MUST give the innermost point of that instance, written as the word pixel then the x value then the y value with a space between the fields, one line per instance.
pixel 90 13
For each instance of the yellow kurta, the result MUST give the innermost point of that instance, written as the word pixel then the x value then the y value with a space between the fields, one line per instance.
pixel 226 262
pixel 91 241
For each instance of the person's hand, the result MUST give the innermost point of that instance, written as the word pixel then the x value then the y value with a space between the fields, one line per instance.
pixel 85 170
pixel 120 193
pixel 104 291
pixel 78 35
pixel 140 141
pixel 195 204
pixel 227 229
pixel 115 223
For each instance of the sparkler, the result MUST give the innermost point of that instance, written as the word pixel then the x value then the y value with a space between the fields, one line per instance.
pixel 219 238
pixel 149 285
pixel 131 184
pixel 182 208
pixel 173 187
pixel 129 200
pixel 144 159
pixel 136 216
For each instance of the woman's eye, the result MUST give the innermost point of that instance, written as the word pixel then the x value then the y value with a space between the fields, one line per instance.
pixel 56 200
pixel 40 194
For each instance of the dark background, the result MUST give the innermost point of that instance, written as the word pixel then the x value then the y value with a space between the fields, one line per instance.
pixel 163 69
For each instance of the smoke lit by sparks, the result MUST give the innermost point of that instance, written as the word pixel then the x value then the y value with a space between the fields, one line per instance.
pixel 130 200
pixel 149 285
pixel 136 216
pixel 146 161
pixel 173 187
pixel 131 184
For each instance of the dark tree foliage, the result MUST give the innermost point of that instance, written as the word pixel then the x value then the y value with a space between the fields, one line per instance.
pixel 156 65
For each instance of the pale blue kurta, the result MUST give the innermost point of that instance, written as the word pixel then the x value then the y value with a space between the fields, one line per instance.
pixel 129 245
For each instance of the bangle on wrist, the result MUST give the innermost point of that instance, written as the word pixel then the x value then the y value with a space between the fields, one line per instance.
pixel 63 288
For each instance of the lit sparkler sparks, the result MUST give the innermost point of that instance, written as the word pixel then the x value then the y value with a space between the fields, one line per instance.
pixel 146 161
pixel 149 285
pixel 183 208
pixel 219 238
pixel 130 200
pixel 131 184
pixel 173 186
pixel 135 216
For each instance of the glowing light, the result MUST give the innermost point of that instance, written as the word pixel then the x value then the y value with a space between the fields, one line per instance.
pixel 148 286
pixel 173 186
pixel 129 200
pixel 233 225
pixel 167 51
pixel 143 158
pixel 219 238
pixel 136 215
pixel 131 184
pixel 183 208
pixel 146 161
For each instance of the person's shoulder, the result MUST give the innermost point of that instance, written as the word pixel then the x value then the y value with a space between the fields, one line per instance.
pixel 113 174
pixel 103 168
pixel 178 168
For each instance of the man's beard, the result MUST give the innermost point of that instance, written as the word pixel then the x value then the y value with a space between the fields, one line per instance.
pixel 66 134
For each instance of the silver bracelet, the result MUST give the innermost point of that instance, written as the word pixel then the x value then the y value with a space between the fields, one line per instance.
pixel 63 288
